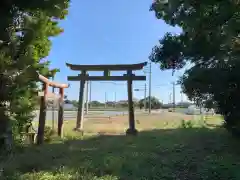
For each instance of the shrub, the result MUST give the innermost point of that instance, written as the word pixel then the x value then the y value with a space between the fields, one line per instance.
pixel 186 124
pixel 48 134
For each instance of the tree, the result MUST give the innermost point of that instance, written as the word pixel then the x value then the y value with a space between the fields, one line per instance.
pixel 123 103
pixel 25 28
pixel 183 104
pixel 74 103
pixel 155 103
pixel 210 43
pixel 96 104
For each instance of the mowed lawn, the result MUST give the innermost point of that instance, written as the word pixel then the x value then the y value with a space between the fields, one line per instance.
pixel 164 149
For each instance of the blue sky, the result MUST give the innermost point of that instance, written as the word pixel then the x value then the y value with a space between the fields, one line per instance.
pixel 111 32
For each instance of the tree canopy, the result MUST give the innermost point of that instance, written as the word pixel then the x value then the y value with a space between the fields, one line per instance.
pixel 25 29
pixel 210 44
pixel 155 103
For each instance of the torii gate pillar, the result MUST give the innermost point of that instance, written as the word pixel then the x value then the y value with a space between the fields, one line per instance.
pixel 131 130
pixel 80 113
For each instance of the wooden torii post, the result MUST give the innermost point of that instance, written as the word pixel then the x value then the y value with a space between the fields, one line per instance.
pixel 42 115
pixel 129 77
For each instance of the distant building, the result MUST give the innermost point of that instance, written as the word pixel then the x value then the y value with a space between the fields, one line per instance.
pixel 195 110
pixel 69 106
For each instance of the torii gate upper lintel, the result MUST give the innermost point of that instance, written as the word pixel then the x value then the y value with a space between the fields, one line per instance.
pixel 129 77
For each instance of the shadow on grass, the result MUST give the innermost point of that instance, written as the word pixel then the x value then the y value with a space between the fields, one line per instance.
pixel 198 153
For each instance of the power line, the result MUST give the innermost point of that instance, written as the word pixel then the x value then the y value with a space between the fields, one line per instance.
pixel 112 83
pixel 160 85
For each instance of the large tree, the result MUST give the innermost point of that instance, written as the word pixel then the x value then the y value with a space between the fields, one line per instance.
pixel 25 28
pixel 209 43
pixel 155 103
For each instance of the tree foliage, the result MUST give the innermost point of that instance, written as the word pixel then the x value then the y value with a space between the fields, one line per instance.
pixel 210 43
pixel 155 103
pixel 25 28
pixel 183 104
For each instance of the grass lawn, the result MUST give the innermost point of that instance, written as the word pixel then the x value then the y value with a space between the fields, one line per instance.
pixel 162 150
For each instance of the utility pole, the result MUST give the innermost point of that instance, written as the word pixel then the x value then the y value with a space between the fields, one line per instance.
pixel 115 99
pixel 150 84
pixel 145 97
pixel 170 98
pixel 105 100
pixel 174 103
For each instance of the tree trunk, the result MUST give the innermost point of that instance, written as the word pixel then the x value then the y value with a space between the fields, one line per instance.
pixel 6 136
pixel 231 123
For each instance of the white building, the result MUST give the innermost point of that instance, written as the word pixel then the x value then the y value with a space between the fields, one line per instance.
pixel 195 110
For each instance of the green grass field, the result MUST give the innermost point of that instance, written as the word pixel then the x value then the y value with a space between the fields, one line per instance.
pixel 162 150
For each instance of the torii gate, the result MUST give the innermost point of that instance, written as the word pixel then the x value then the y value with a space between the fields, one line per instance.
pixel 129 77
pixel 42 115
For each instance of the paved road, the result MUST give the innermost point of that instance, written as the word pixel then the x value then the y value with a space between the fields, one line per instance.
pixel 71 115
